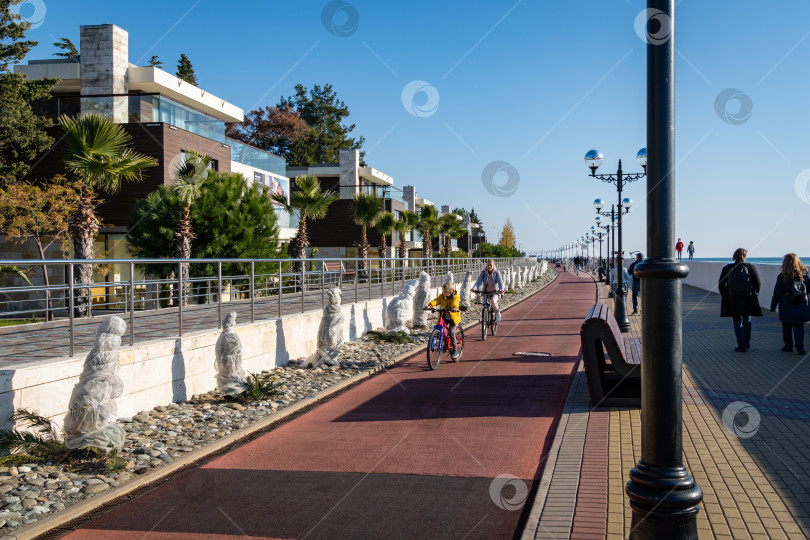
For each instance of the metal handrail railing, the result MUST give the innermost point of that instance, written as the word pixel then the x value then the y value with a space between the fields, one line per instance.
pixel 278 282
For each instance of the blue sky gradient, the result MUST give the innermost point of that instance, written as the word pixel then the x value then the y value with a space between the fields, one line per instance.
pixel 532 83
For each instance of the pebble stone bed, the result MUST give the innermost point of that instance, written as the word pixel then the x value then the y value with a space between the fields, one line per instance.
pixel 34 491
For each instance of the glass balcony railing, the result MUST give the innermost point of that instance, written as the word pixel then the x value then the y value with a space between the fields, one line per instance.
pixel 259 159
pixel 137 108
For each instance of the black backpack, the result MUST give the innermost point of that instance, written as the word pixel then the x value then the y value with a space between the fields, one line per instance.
pixel 796 292
pixel 739 281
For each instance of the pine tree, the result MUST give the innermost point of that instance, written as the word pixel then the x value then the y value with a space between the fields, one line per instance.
pixel 324 113
pixel 23 133
pixel 185 71
pixel 68 48
pixel 155 62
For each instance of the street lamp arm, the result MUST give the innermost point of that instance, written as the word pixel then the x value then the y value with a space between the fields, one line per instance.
pixel 614 178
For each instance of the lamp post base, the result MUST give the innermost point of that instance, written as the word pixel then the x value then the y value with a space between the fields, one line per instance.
pixel 665 502
pixel 620 310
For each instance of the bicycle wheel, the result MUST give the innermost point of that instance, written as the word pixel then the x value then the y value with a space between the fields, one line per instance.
pixel 484 323
pixel 460 343
pixel 434 349
pixel 493 323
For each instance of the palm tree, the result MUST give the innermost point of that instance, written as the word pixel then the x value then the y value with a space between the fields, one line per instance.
pixel 450 227
pixel 309 202
pixel 366 211
pixel 385 225
pixel 188 183
pixel 428 224
pixel 97 152
pixel 405 224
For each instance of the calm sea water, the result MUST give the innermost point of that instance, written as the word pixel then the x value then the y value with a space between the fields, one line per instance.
pixel 752 260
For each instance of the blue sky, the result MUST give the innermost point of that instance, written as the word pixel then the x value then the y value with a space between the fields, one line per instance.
pixel 534 84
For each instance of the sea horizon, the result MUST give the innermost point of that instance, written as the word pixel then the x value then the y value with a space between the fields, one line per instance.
pixel 755 260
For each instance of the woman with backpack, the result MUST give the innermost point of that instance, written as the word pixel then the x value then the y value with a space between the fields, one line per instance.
pixel 790 294
pixel 739 285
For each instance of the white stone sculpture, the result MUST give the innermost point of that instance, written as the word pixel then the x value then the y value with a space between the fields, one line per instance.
pixel 420 300
pixel 506 278
pixel 464 293
pixel 230 376
pixel 400 310
pixel 93 409
pixel 449 277
pixel 330 332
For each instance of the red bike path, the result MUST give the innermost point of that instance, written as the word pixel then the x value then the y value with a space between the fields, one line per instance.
pixel 410 453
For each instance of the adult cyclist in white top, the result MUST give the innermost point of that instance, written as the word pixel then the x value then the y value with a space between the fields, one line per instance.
pixel 490 282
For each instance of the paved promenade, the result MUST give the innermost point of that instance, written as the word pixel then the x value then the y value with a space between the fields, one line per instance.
pixel 410 453
pixel 746 430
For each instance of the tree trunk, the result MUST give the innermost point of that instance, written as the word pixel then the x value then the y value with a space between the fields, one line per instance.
pixel 447 246
pixel 300 249
pixel 403 250
pixel 427 242
pixel 362 249
pixel 182 244
pixel 48 313
pixel 83 227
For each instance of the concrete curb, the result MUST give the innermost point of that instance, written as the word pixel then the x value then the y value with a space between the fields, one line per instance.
pixel 197 457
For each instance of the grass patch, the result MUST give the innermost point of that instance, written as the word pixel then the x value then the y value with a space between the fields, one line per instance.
pixel 17 322
pixel 259 388
pixel 400 338
pixel 40 442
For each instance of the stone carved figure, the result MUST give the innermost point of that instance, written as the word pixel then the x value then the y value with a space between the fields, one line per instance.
pixel 400 310
pixel 449 277
pixel 330 332
pixel 93 409
pixel 230 376
pixel 464 293
pixel 507 283
pixel 420 299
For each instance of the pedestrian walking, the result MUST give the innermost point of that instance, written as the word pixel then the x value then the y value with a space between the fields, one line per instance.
pixel 790 295
pixel 690 249
pixel 679 249
pixel 636 281
pixel 739 286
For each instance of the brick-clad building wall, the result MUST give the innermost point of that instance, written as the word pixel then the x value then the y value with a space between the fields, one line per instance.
pixel 156 140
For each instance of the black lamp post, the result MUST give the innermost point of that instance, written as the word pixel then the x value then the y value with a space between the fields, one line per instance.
pixel 594 159
pixel 663 495
pixel 607 228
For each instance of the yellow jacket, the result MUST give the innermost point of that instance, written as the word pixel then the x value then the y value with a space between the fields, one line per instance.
pixel 448 303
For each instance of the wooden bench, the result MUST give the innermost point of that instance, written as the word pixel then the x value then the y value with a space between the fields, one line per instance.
pixel 612 361
pixel 336 268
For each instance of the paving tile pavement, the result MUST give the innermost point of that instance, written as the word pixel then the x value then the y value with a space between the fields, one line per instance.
pixel 746 430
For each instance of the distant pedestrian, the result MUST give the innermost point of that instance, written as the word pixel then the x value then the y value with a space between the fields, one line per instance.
pixel 739 285
pixel 790 294
pixel 679 249
pixel 690 249
pixel 636 281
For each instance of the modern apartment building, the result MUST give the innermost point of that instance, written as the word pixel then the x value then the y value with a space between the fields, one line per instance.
pixel 165 116
pixel 335 235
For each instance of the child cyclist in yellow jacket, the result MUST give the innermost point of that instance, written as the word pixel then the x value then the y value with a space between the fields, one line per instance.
pixel 449 300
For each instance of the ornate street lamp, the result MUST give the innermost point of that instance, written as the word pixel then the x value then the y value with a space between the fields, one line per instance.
pixel 663 495
pixel 593 159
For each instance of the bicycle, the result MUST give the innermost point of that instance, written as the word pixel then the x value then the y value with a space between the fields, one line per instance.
pixel 488 316
pixel 439 341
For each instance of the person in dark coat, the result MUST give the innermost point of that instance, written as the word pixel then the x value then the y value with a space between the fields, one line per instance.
pixel 740 307
pixel 794 310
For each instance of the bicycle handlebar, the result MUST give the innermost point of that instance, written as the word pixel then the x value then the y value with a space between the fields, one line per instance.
pixel 433 309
